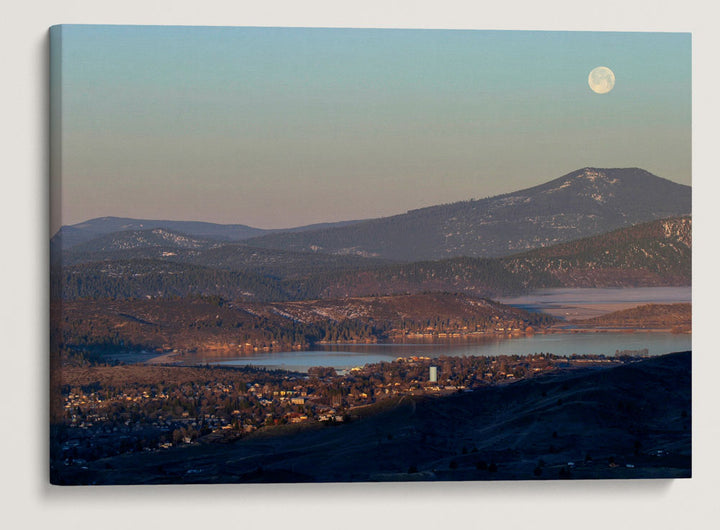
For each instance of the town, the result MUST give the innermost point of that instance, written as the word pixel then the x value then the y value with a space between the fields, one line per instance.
pixel 109 409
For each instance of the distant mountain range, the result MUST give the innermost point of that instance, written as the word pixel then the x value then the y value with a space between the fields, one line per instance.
pixel 73 235
pixel 583 203
pixel 163 245
pixel 442 248
pixel 152 238
pixel 657 253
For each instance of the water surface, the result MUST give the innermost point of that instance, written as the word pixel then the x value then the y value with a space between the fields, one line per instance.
pixel 346 356
pixel 566 303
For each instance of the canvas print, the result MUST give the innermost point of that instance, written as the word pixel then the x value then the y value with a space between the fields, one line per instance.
pixel 364 255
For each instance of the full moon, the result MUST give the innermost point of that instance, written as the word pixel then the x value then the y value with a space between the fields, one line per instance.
pixel 601 80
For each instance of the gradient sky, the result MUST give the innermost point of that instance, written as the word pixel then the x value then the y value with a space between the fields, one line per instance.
pixel 280 127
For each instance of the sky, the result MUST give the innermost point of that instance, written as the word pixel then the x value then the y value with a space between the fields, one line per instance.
pixel 281 127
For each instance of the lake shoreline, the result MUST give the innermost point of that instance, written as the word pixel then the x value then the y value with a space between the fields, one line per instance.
pixel 564 337
pixel 144 357
pixel 343 357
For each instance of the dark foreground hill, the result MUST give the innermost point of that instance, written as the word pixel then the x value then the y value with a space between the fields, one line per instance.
pixel 629 421
pixel 585 202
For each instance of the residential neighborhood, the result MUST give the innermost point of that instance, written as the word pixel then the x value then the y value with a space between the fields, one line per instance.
pixel 110 410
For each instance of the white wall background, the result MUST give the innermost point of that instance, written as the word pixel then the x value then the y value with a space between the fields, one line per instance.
pixel 27 500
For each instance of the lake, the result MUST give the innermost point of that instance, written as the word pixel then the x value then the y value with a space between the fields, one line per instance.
pixel 566 303
pixel 346 356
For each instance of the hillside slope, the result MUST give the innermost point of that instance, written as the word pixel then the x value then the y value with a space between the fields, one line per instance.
pixel 631 421
pixel 651 254
pixel 657 253
pixel 677 317
pixel 210 323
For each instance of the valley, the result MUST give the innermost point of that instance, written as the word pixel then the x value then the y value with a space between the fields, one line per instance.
pixel 160 331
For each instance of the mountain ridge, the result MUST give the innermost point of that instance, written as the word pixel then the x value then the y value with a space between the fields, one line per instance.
pixel 657 253
pixel 582 203
pixel 85 231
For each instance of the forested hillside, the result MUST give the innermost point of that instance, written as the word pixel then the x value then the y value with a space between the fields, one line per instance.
pixel 160 279
pixel 212 323
pixel 650 254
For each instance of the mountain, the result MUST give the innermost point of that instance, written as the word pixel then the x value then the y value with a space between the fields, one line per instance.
pixel 657 253
pixel 70 236
pixel 93 228
pixel 585 202
pixel 155 238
